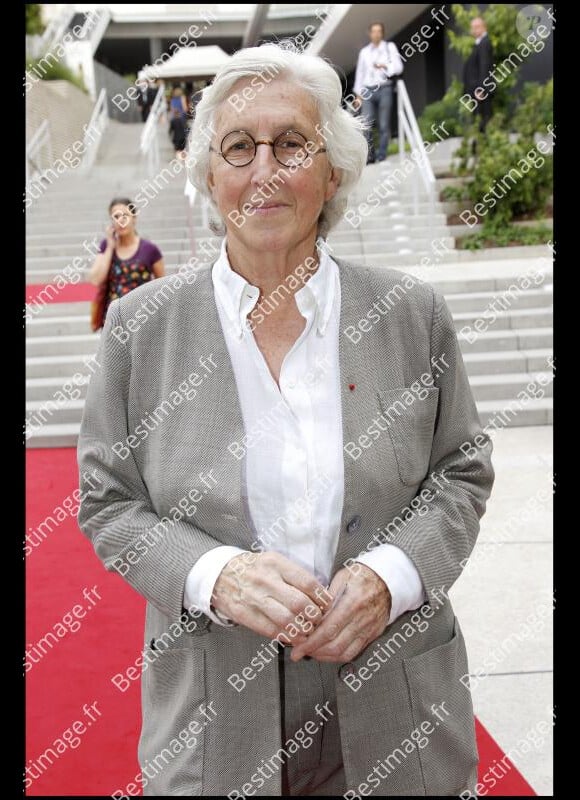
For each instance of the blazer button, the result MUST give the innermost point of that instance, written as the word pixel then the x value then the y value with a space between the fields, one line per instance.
pixel 346 670
pixel 354 524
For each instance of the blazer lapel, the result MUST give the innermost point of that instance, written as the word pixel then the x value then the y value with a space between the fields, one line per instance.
pixel 224 423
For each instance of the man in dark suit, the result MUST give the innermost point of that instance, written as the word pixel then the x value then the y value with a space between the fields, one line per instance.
pixel 478 67
pixel 146 99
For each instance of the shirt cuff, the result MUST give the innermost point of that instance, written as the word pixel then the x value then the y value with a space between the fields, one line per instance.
pixel 397 570
pixel 201 580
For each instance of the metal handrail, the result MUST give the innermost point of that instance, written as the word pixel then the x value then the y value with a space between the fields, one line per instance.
pixel 95 25
pixel 149 142
pixel 192 196
pixel 409 132
pixel 41 138
pixel 98 122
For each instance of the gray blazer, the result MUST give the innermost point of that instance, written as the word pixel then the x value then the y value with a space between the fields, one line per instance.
pixel 138 372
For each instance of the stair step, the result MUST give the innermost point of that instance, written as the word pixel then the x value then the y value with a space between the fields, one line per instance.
pixel 469 301
pixel 499 413
pixel 60 325
pixel 84 344
pixel 60 366
pixel 507 361
pixel 43 390
pixel 43 311
pixel 513 319
pixel 519 339
pixel 496 387
pixel 58 412
pixel 51 435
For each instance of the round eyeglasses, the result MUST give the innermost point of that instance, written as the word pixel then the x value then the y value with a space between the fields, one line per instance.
pixel 291 148
pixel 121 215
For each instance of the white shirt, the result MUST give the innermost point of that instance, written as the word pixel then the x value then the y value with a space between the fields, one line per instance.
pixel 293 476
pixel 479 38
pixel 367 74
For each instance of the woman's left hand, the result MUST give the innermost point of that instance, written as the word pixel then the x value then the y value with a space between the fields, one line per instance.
pixel 359 614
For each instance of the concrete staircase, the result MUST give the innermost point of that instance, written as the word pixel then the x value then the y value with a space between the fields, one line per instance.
pixel 501 361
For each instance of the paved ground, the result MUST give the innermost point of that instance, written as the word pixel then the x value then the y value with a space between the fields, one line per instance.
pixel 504 600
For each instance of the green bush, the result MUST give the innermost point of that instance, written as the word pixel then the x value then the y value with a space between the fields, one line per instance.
pixel 393 148
pixel 34 24
pixel 490 157
pixel 510 178
pixel 55 71
pixel 536 112
pixel 448 111
pixel 493 235
pixel 455 193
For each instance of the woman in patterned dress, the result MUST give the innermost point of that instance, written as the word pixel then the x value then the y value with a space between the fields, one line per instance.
pixel 125 259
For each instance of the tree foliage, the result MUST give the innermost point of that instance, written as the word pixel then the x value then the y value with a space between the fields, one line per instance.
pixel 34 23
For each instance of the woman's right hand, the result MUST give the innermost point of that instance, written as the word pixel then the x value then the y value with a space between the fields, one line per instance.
pixel 111 239
pixel 270 594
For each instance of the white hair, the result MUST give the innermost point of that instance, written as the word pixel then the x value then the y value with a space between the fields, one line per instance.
pixel 346 144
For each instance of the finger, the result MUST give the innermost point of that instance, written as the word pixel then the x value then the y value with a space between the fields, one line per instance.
pixel 328 630
pixel 345 647
pixel 350 650
pixel 304 581
pixel 338 586
pixel 293 597
pixel 336 618
pixel 296 602
pixel 255 621
pixel 266 592
pixel 289 626
pixel 258 622
pixel 263 625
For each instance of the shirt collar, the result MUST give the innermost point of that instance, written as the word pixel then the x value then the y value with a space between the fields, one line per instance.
pixel 239 297
pixel 479 38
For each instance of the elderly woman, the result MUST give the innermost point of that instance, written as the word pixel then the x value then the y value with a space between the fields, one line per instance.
pixel 292 472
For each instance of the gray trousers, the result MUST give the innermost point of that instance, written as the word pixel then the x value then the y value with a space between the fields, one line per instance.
pixel 310 715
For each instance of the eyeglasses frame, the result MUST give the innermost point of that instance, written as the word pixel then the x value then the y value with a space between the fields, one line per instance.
pixel 270 142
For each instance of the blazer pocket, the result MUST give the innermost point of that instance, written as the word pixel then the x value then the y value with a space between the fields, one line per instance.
pixel 172 734
pixel 183 635
pixel 448 753
pixel 411 429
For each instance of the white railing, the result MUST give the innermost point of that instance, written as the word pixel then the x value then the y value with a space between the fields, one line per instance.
pixel 409 132
pixel 192 196
pixel 40 140
pixel 149 143
pixel 94 131
pixel 94 26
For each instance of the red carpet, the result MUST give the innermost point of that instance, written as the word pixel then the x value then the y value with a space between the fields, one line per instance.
pixel 71 293
pixel 77 666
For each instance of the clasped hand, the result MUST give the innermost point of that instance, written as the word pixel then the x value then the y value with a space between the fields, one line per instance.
pixel 277 598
